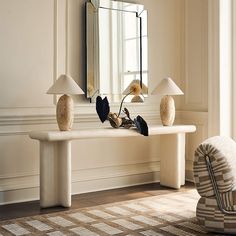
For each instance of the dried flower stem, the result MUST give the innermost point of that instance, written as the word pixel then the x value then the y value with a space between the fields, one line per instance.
pixel 121 104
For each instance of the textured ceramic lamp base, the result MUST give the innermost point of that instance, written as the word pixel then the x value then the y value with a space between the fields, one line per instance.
pixel 65 113
pixel 167 110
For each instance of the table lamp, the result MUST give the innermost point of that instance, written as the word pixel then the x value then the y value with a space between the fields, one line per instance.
pixel 167 87
pixel 136 98
pixel 67 86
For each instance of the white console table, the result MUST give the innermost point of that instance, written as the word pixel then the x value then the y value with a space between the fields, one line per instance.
pixel 55 158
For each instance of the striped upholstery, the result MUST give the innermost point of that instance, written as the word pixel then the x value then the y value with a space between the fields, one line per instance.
pixel 209 216
pixel 222 154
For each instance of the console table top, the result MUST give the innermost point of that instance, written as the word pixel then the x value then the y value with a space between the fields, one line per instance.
pixel 108 132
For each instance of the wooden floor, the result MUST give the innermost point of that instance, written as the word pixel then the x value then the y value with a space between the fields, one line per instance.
pixel 17 210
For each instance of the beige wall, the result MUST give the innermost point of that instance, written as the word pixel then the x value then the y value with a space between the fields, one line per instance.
pixel 194 75
pixel 39 39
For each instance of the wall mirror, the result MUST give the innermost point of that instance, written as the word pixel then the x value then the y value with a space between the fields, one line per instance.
pixel 117 46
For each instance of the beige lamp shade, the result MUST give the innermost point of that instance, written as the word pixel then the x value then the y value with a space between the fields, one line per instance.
pixel 136 81
pixel 65 85
pixel 167 87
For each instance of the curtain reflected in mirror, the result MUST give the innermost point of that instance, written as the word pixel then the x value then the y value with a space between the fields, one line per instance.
pixel 116 49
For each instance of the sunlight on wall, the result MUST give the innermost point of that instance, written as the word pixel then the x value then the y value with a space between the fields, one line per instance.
pixel 226 67
pixel 234 67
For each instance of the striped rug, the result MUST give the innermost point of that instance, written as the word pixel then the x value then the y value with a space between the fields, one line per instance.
pixel 169 214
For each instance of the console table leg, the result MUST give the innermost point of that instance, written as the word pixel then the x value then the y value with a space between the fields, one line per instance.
pixel 55 174
pixel 64 172
pixel 172 160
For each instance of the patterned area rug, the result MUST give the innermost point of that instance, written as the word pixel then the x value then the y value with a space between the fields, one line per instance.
pixel 169 214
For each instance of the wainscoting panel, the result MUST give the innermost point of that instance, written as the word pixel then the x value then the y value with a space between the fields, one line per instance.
pixel 24 61
pixel 200 119
pixel 195 56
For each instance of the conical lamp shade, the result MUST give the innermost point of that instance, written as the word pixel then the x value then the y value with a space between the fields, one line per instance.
pixel 136 81
pixel 167 87
pixel 65 85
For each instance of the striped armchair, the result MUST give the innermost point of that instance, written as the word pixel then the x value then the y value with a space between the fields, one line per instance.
pixel 215 178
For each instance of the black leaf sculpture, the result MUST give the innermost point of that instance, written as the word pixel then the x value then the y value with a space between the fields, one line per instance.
pixel 141 125
pixel 102 108
pixel 117 121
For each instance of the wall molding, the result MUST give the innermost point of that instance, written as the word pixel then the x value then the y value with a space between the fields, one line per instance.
pixel 82 114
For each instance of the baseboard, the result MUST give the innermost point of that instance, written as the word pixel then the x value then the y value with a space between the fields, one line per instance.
pixel 78 187
pixel 15 190
pixel 19 195
pixel 113 183
pixel 189 176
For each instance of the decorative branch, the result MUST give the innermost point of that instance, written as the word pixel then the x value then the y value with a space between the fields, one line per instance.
pixel 134 89
pixel 121 104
